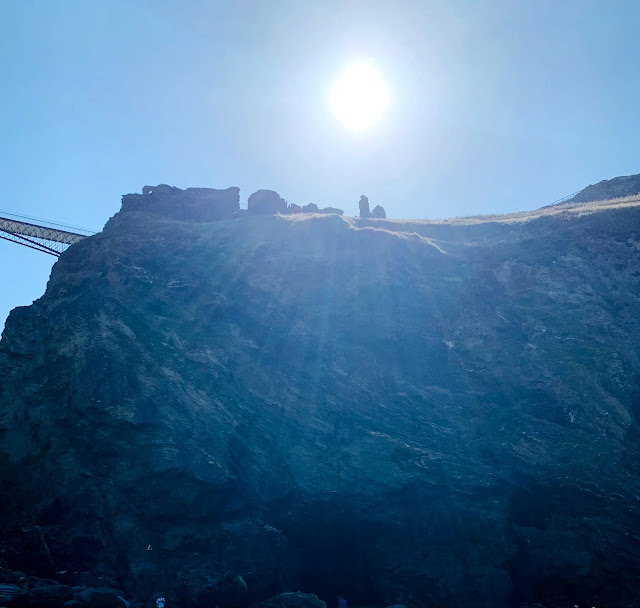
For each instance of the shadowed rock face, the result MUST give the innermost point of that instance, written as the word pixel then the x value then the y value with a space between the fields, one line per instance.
pixel 420 413
pixel 266 202
pixel 625 185
pixel 378 212
pixel 195 204
pixel 363 204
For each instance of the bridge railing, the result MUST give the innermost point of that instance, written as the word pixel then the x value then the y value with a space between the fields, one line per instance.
pixel 47 239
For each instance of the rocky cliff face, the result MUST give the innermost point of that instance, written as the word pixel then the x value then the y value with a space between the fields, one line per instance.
pixel 625 185
pixel 429 413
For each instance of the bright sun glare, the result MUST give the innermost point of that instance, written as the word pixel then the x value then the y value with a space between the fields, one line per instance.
pixel 359 97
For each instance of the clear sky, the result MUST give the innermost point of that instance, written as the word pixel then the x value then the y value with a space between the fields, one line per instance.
pixel 495 105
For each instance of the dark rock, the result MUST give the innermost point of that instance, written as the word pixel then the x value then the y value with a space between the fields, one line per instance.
pixel 7 593
pixel 332 210
pixel 101 598
pixel 13 577
pixel 364 207
pixel 293 600
pixel 46 596
pixel 204 586
pixel 266 202
pixel 44 582
pixel 310 208
pixel 293 208
pixel 437 414
pixel 84 579
pixel 193 204
pixel 626 185
pixel 378 212
pixel 74 604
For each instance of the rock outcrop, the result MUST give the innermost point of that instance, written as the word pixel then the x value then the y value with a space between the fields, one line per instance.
pixel 313 208
pixel 378 212
pixel 266 202
pixel 364 207
pixel 196 204
pixel 625 185
pixel 418 413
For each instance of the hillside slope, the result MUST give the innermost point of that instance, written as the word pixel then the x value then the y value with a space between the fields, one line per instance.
pixel 430 413
pixel 617 187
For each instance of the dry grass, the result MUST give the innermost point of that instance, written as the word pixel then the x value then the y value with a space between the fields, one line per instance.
pixel 563 209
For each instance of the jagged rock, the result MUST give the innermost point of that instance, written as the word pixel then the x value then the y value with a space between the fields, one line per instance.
pixel 293 208
pixel 310 208
pixel 194 204
pixel 266 202
pixel 331 210
pixel 47 596
pixel 378 212
pixel 293 600
pixel 418 412
pixel 364 207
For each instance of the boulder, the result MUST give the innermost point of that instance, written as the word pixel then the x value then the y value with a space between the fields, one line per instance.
pixel 13 578
pixel 364 207
pixel 378 212
pixel 293 600
pixel 266 202
pixel 101 598
pixel 47 596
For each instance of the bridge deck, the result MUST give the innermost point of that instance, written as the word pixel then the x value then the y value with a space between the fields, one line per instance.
pixel 43 238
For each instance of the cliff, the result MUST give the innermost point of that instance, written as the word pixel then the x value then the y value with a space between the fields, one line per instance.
pixel 625 185
pixel 440 413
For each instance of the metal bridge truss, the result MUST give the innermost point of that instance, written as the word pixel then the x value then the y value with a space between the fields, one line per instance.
pixel 42 238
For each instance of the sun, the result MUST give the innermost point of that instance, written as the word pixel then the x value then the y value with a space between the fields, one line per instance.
pixel 359 97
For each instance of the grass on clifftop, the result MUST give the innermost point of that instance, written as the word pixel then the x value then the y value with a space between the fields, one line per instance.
pixel 563 209
pixel 567 208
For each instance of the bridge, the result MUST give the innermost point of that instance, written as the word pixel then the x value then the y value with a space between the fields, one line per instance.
pixel 45 236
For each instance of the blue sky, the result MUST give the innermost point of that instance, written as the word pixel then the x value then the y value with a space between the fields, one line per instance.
pixel 496 105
